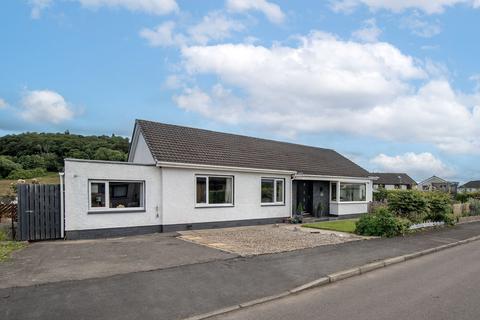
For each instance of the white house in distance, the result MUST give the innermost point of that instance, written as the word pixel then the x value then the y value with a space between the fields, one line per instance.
pixel 435 183
pixel 179 178
pixel 471 186
pixel 392 181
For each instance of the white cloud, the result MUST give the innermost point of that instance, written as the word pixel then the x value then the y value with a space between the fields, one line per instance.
pixel 45 106
pixel 369 33
pixel 327 84
pixel 3 104
pixel 421 165
pixel 271 10
pixel 421 27
pixel 38 6
pixel 426 6
pixel 214 26
pixel 157 7
pixel 226 107
pixel 163 35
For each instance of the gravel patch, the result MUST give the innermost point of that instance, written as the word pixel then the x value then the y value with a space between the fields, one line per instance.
pixel 255 240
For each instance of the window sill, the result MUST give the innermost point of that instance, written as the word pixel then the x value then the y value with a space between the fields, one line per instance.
pixel 273 204
pixel 126 210
pixel 349 202
pixel 229 205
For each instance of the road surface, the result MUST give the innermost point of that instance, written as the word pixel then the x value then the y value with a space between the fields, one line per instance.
pixel 444 285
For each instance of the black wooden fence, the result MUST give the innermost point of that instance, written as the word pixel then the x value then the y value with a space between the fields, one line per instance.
pixel 39 216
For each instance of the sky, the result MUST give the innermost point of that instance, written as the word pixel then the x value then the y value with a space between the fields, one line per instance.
pixel 394 85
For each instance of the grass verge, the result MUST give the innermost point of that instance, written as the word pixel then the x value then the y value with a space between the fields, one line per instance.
pixel 347 225
pixel 7 247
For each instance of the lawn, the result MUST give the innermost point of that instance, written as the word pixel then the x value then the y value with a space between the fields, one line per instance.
pixel 49 178
pixel 347 225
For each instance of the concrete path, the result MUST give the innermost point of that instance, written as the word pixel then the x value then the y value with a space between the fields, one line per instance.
pixel 444 285
pixel 182 291
pixel 54 261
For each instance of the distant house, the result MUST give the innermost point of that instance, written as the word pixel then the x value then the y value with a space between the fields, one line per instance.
pixel 391 181
pixel 435 183
pixel 471 186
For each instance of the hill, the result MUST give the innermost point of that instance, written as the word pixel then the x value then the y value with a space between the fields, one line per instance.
pixel 30 155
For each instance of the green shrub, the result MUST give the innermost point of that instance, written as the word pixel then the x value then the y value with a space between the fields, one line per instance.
pixel 380 195
pixel 439 207
pixel 26 174
pixel 382 223
pixel 408 204
pixel 7 165
pixel 474 205
pixel 462 197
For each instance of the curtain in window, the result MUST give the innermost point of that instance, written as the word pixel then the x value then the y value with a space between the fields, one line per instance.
pixel 228 191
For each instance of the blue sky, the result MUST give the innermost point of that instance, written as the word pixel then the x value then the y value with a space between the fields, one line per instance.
pixel 394 85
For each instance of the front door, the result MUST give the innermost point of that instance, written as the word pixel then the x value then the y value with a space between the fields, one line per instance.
pixel 304 196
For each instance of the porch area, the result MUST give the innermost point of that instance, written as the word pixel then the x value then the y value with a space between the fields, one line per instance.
pixel 319 198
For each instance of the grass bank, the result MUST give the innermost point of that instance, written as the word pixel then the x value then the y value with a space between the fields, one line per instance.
pixel 347 225
pixel 49 178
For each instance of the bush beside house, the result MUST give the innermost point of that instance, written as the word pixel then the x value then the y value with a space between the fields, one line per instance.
pixel 404 208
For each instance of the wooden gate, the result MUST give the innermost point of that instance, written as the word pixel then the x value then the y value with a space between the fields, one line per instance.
pixel 39 213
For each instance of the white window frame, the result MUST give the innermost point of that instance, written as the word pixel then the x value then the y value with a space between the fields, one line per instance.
pixel 207 190
pixel 275 202
pixel 357 201
pixel 107 197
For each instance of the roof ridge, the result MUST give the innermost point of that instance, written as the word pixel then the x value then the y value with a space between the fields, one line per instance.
pixel 234 134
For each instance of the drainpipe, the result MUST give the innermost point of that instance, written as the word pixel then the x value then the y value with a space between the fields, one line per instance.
pixel 291 196
pixel 62 206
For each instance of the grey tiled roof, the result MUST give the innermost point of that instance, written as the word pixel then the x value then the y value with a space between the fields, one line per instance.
pixel 393 178
pixel 179 144
pixel 472 184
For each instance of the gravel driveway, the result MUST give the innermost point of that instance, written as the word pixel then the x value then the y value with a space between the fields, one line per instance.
pixel 254 240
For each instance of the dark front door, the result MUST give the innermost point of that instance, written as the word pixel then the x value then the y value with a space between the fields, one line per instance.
pixel 305 195
pixel 321 198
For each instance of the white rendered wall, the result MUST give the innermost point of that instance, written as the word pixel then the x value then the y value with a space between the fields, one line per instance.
pixel 77 175
pixel 141 153
pixel 179 198
pixel 344 208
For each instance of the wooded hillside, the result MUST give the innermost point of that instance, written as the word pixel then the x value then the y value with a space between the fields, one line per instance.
pixel 29 155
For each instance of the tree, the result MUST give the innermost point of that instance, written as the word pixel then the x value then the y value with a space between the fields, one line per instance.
pixel 32 161
pixel 109 154
pixel 7 166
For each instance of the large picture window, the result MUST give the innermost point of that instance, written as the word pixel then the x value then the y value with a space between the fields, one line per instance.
pixel 273 191
pixel 116 195
pixel 214 191
pixel 350 192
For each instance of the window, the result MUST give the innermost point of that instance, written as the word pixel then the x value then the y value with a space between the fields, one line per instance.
pixel 214 191
pixel 116 195
pixel 334 191
pixel 97 195
pixel 273 191
pixel 352 192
